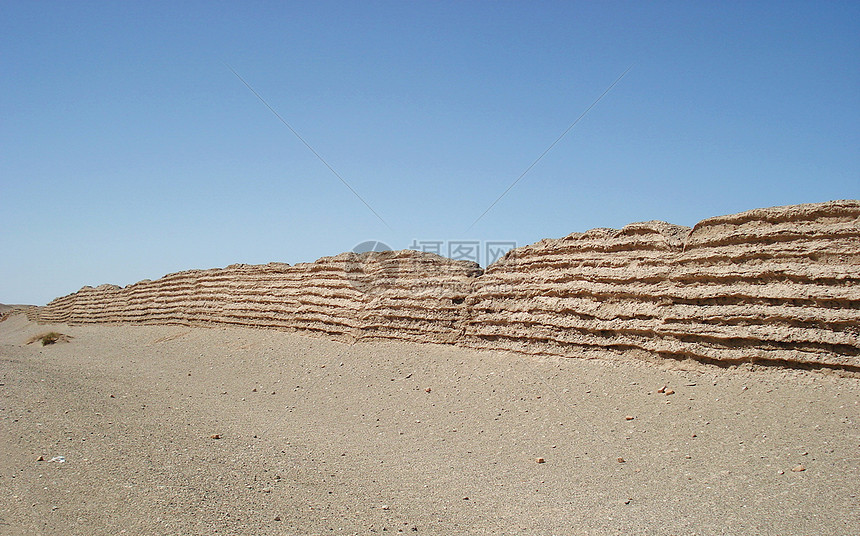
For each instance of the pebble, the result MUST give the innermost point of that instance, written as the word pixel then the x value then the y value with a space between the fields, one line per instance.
pixel 215 436
pixel 40 459
pixel 628 418
pixel 621 460
pixel 277 518
pixel 540 460
pixel 798 468
pixel 427 390
pixel 670 392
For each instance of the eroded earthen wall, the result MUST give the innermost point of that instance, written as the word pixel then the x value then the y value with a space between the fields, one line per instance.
pixel 776 285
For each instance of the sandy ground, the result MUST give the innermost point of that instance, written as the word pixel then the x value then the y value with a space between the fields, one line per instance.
pixel 318 437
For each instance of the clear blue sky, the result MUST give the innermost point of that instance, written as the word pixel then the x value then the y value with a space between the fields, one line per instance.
pixel 129 150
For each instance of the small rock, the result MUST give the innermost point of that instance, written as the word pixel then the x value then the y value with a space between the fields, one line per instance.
pixel 628 418
pixel 40 459
pixel 465 498
pixel 670 392
pixel 540 460
pixel 621 460
pixel 386 507
pixel 112 396
pixel 662 389
pixel 780 472
pixel 427 390
pixel 215 436
pixel 254 390
pixel 798 468
pixel 277 518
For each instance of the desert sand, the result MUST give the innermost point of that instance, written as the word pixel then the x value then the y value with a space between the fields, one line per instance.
pixel 227 430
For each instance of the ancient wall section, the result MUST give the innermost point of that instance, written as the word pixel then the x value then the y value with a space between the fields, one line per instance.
pixel 776 285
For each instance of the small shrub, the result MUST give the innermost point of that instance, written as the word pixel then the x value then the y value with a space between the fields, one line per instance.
pixel 49 338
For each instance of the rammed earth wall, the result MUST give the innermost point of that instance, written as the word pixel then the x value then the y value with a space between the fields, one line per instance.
pixel 776 285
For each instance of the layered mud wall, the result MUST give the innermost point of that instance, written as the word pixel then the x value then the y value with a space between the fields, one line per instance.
pixel 776 286
pixel 395 294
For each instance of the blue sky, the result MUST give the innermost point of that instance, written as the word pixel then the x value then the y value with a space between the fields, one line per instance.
pixel 129 150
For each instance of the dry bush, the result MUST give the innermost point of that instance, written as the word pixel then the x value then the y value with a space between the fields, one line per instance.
pixel 50 337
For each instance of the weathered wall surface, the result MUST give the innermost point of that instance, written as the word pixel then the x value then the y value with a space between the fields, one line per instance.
pixel 775 285
pixel 396 294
